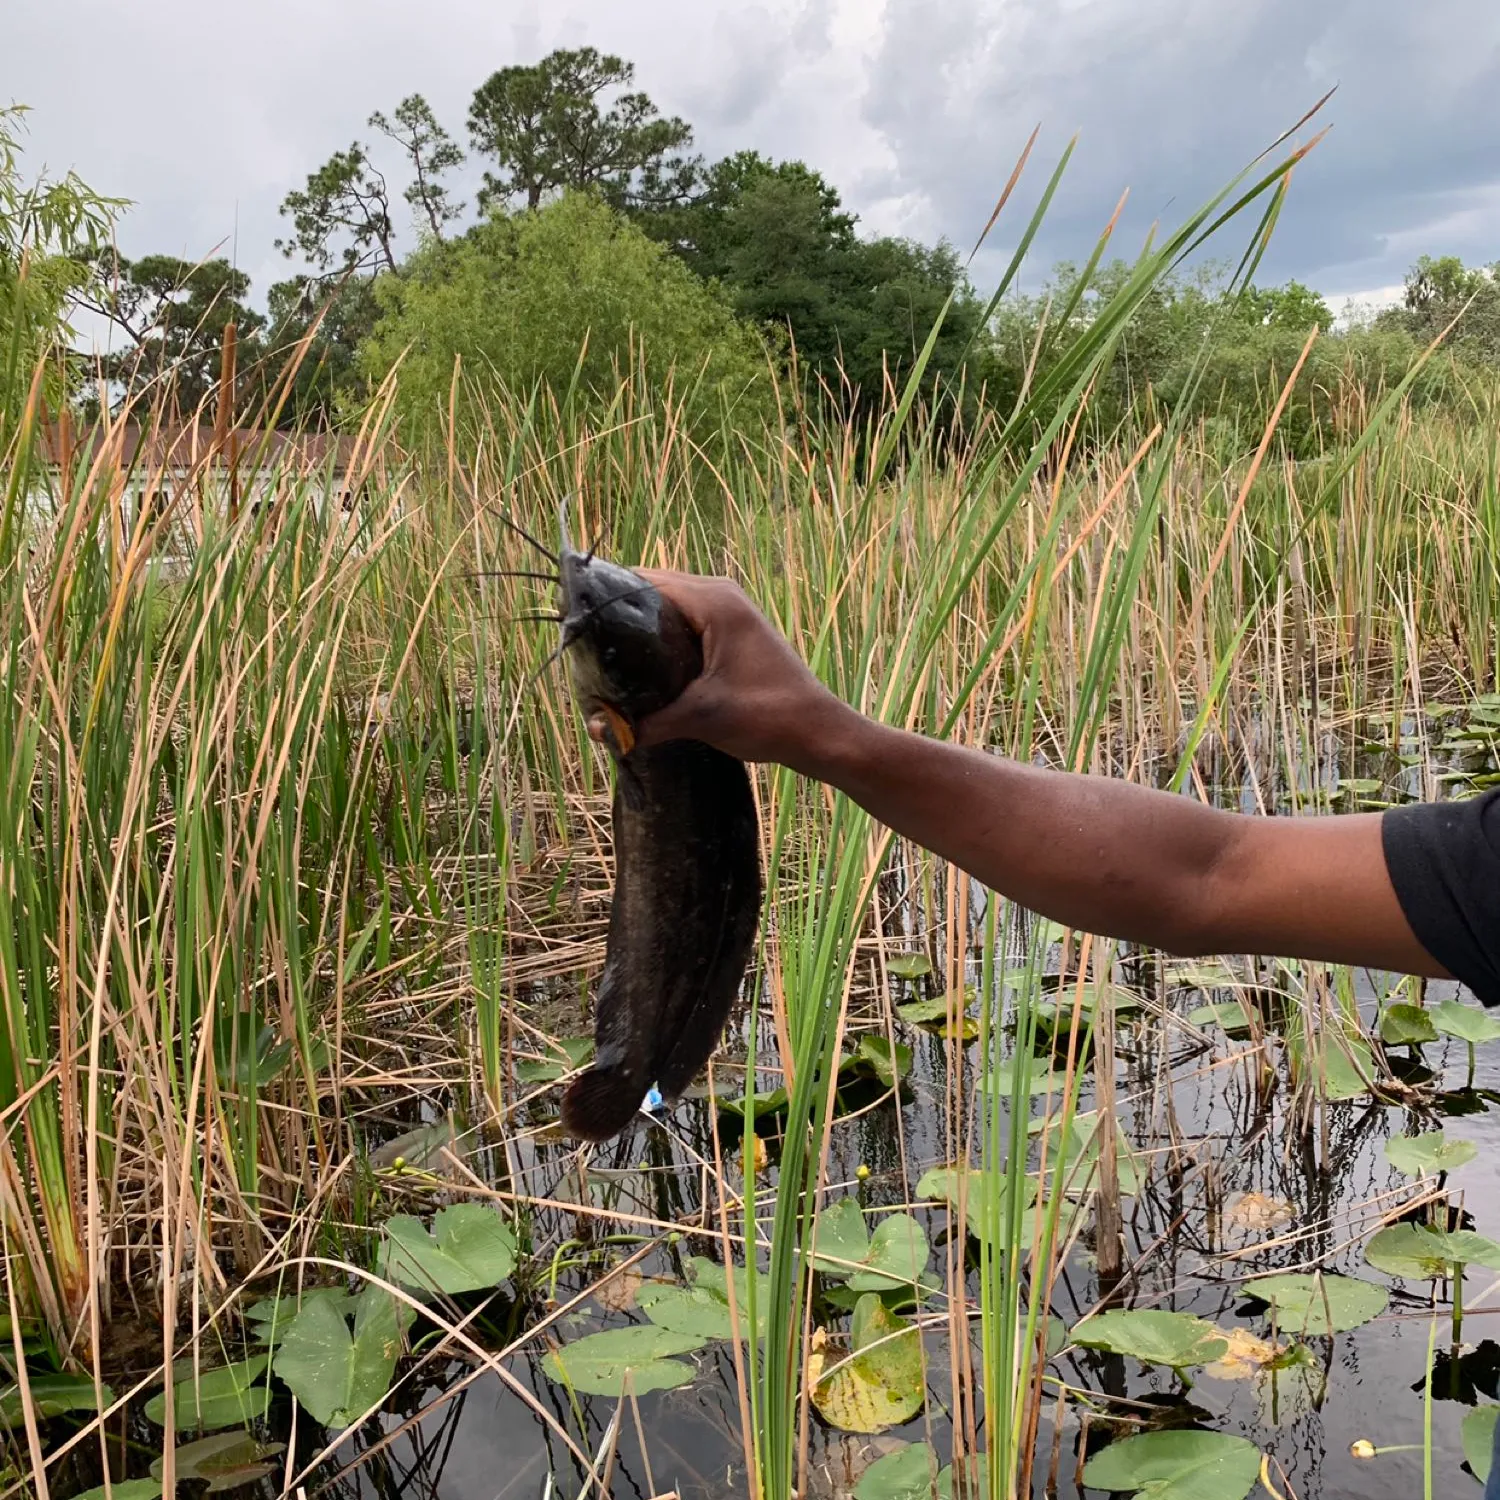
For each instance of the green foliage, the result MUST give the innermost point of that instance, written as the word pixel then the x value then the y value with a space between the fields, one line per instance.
pixel 51 1396
pixel 338 1375
pixel 703 1308
pixel 470 1249
pixel 1430 1152
pixel 570 295
pixel 857 312
pixel 1466 1022
pixel 1478 1437
pixel 1440 290
pixel 602 1364
pixel 226 1460
pixel 907 1474
pixel 894 1256
pixel 223 1397
pixel 173 312
pixel 341 219
pixel 1319 1304
pixel 1177 1466
pixel 1418 1253
pixel 547 128
pixel 432 154
pixel 1154 1336
pixel 1406 1026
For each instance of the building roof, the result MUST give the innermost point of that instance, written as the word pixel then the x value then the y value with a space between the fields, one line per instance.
pixel 163 447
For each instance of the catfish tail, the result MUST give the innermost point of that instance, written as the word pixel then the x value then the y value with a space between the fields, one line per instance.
pixel 600 1103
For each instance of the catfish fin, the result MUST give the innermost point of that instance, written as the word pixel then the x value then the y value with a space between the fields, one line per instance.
pixel 600 1103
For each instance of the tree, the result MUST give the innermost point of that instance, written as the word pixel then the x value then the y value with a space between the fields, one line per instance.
pixel 342 218
pixel 1442 289
pixel 779 240
pixel 432 153
pixel 173 312
pixel 546 128
pixel 570 295
pixel 1293 306
pixel 338 317
pixel 51 231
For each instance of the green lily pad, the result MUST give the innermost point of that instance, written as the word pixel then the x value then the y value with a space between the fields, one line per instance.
pixel 335 1375
pixel 226 1460
pixel 908 966
pixel 1418 1253
pixel 1228 1016
pixel 979 1190
pixel 772 1102
pixel 1079 1146
pixel 419 1150
pixel 51 1396
pixel 470 1249
pixel 272 1316
pixel 1430 1152
pixel 601 1363
pixel 1198 975
pixel 1339 1066
pixel 976 1472
pixel 1478 1435
pixel 1319 1304
pixel 875 1055
pixel 1154 1336
pixel 1000 1080
pixel 702 1307
pixel 894 1256
pixel 882 1384
pixel 217 1398
pixel 1406 1026
pixel 124 1489
pixel 1466 1022
pixel 565 1054
pixel 906 1474
pixel 1183 1465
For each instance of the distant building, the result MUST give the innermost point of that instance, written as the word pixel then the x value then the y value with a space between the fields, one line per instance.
pixel 150 468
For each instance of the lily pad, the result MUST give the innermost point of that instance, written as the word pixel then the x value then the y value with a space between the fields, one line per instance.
pixel 469 1249
pixel 908 966
pixel 702 1307
pixel 1000 1080
pixel 906 1474
pixel 979 1190
pixel 1199 975
pixel 1406 1026
pixel 567 1053
pixel 881 1384
pixel 1339 1066
pixel 272 1316
pixel 1248 1355
pixel 1079 1145
pixel 1184 1465
pixel 894 1256
pixel 1430 1152
pixel 876 1055
pixel 1418 1253
pixel 226 1460
pixel 335 1375
pixel 1319 1304
pixel 51 1396
pixel 1466 1022
pixel 976 1476
pixel 224 1397
pixel 772 1102
pixel 602 1363
pixel 1154 1336
pixel 1229 1017
pixel 419 1150
pixel 1478 1435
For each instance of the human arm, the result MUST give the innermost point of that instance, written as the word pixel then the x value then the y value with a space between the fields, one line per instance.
pixel 1101 855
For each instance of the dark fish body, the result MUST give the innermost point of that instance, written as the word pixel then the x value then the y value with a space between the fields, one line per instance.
pixel 687 854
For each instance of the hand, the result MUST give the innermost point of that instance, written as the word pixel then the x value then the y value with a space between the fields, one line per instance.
pixel 755 699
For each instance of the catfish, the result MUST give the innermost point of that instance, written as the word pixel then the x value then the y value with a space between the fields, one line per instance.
pixel 687 894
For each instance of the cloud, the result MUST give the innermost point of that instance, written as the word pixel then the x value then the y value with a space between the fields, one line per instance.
pixel 207 116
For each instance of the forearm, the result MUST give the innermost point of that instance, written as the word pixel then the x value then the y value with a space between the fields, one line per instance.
pixel 1124 861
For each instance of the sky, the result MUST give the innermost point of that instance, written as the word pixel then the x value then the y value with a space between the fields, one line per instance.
pixel 917 110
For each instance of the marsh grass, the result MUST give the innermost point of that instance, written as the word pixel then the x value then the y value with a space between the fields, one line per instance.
pixel 301 836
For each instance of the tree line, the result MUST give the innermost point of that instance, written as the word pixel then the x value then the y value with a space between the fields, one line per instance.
pixel 597 238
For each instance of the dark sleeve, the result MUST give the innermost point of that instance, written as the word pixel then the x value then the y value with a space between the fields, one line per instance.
pixel 1444 860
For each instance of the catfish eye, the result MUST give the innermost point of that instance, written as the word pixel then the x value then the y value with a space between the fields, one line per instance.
pixel 608 656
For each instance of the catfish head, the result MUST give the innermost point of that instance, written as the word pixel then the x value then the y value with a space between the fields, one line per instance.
pixel 630 650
